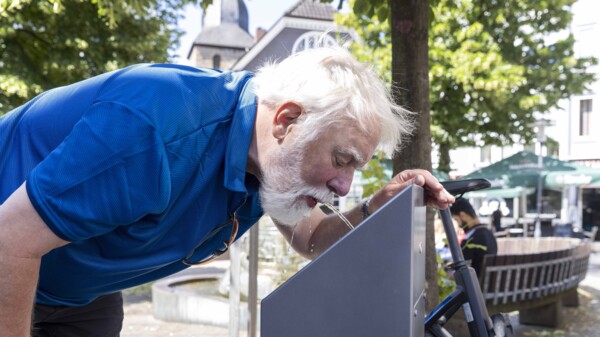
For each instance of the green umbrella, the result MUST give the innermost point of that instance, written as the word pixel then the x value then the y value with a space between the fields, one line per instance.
pixel 521 170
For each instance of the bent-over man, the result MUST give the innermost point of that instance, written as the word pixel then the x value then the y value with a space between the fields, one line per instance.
pixel 134 175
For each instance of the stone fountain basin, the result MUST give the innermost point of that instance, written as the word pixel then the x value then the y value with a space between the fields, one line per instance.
pixel 192 299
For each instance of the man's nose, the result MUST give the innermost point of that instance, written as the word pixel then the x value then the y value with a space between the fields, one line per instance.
pixel 340 184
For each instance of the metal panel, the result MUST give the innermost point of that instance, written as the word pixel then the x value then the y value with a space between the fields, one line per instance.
pixel 370 283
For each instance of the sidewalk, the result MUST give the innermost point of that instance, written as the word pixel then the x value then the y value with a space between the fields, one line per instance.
pixel 139 322
pixel 583 321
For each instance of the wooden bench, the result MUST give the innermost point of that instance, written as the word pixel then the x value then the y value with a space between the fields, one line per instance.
pixel 534 276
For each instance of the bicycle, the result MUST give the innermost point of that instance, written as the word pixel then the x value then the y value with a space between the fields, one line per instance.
pixel 468 293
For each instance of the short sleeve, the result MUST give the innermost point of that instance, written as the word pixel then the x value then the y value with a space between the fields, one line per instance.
pixel 111 170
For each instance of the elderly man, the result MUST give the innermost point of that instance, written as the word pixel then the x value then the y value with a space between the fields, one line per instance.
pixel 136 174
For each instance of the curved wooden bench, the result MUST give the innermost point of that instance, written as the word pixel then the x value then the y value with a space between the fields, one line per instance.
pixel 533 276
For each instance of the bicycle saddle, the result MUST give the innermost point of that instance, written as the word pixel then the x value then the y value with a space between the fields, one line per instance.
pixel 460 187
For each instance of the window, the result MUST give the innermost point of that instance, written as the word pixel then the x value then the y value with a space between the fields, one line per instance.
pixel 585 112
pixel 485 154
pixel 313 40
pixel 217 61
pixel 585 38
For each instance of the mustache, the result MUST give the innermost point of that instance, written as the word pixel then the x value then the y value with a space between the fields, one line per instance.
pixel 322 195
pixel 326 198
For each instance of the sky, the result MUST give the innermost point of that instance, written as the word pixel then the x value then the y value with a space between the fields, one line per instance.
pixel 262 13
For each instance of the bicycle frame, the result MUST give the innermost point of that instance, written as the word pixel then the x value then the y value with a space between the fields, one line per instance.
pixel 468 293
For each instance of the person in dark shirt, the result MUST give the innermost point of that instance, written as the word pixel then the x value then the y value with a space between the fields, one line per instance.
pixel 497 219
pixel 479 241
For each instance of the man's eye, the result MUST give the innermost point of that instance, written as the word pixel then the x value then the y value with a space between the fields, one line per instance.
pixel 341 162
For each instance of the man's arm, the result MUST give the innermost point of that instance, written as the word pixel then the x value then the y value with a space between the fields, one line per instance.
pixel 315 234
pixel 24 238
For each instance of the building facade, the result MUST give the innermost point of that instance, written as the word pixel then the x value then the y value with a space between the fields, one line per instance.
pixel 225 42
pixel 307 24
pixel 582 139
pixel 224 37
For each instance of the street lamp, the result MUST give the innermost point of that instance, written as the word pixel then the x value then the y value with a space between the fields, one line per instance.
pixel 541 140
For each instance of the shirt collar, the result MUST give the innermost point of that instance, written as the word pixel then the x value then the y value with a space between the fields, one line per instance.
pixel 238 145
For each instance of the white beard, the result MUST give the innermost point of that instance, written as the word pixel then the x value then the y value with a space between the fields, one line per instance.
pixel 282 189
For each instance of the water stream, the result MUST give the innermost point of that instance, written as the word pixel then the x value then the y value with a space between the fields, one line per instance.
pixel 339 214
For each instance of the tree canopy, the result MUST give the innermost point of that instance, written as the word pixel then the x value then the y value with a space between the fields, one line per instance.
pixel 494 67
pixel 45 44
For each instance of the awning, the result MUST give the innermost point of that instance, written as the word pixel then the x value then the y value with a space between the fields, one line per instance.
pixel 505 193
pixel 583 177
pixel 521 170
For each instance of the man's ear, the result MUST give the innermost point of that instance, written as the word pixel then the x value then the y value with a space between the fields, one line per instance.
pixel 286 115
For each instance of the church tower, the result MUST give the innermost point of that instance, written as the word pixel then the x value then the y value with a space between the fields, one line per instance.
pixel 224 37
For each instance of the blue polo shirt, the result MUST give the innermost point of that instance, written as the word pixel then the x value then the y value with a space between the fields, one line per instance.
pixel 138 169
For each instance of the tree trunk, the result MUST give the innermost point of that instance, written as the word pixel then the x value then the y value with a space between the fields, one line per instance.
pixel 444 158
pixel 409 21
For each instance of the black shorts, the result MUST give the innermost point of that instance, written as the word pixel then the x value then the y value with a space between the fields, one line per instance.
pixel 101 318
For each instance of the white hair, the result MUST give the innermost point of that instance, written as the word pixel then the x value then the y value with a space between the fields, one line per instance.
pixel 330 84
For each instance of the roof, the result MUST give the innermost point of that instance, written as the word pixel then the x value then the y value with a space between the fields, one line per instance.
pixel 311 9
pixel 305 15
pixel 225 35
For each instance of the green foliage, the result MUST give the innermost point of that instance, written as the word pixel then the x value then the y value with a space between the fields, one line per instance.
pixel 494 66
pixel 375 48
pixel 371 8
pixel 46 44
pixel 374 174
pixel 445 285
pixel 113 11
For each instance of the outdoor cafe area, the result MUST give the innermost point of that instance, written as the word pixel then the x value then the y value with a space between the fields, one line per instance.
pixel 550 225
pixel 569 204
pixel 559 216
